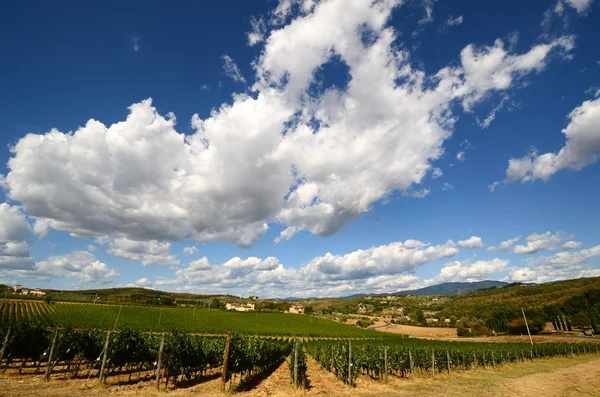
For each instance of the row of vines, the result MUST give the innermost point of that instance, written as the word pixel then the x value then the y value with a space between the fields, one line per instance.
pixel 15 311
pixel 93 353
pixel 348 360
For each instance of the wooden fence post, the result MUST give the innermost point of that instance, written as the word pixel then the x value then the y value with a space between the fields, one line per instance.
pixel 5 344
pixel 448 360
pixel 159 363
pixel 410 363
pixel 385 364
pixel 296 363
pixel 432 363
pixel 49 365
pixel 225 361
pixel 104 356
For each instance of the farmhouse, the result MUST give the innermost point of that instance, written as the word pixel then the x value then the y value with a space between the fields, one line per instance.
pixel 37 292
pixel 299 309
pixel 238 307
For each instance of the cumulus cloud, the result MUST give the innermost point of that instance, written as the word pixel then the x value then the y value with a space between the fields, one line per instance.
pixel 378 269
pixel 143 282
pixel 232 70
pixel 561 266
pixel 581 149
pixel 570 245
pixel 14 230
pixel 437 172
pixel 467 271
pixel 81 266
pixel 148 252
pixel 246 165
pixel 190 250
pixel 539 242
pixel 492 68
pixel 505 245
pixel 471 242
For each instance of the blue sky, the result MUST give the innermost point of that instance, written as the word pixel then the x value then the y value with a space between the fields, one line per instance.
pixel 297 147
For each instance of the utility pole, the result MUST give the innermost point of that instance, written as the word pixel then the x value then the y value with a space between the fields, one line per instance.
pixel 526 325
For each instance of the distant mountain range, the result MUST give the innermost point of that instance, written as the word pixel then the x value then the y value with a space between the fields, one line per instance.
pixel 442 289
pixel 454 288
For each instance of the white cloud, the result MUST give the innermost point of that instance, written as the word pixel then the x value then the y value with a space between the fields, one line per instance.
pixel 471 242
pixel 246 165
pixel 505 245
pixel 448 186
pixel 581 149
pixel 143 282
pixel 190 250
pixel 467 271
pixel 492 116
pixel 581 6
pixel 460 156
pixel 257 34
pixel 428 17
pixel 378 269
pixel 148 252
pixel 562 266
pixel 451 21
pixel 135 42
pixel 437 172
pixel 91 248
pixel 80 265
pixel 388 259
pixel 14 230
pixel 489 69
pixel 232 70
pixel 13 224
pixel 570 245
pixel 539 242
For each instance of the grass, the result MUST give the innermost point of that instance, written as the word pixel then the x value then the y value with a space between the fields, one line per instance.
pixel 199 320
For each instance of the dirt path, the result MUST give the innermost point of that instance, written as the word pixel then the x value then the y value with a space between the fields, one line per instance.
pixel 552 377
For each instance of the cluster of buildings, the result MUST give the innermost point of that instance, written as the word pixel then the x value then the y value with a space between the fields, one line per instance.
pixel 249 307
pixel 240 307
pixel 26 291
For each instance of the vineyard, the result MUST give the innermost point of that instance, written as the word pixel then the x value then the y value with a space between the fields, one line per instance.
pixel 186 319
pixel 179 358
pixel 13 311
pixel 404 357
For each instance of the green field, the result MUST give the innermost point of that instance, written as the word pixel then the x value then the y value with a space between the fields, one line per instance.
pixel 199 320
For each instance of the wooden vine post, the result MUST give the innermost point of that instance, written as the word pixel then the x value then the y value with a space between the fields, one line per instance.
pixel 410 363
pixel 225 362
pixel 159 362
pixel 49 365
pixel 350 363
pixel 295 363
pixel 331 366
pixel 104 356
pixel 385 363
pixel 448 360
pixel 432 363
pixel 5 343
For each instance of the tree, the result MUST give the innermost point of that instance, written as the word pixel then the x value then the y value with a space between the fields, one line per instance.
pixel 48 299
